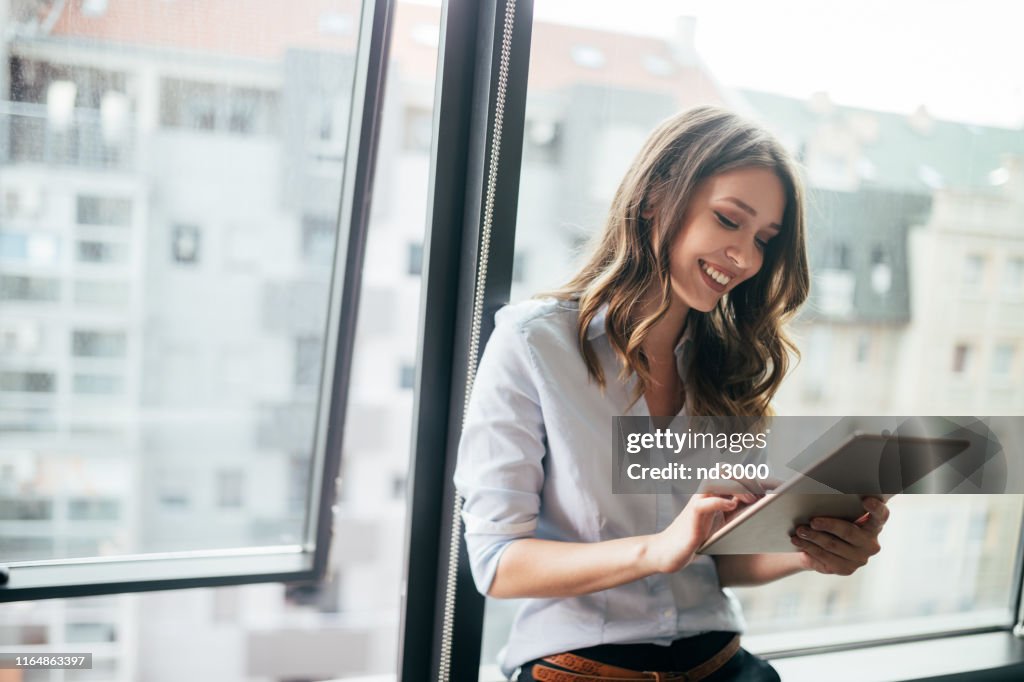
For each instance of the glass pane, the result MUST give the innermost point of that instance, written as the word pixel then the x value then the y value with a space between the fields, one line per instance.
pixel 915 305
pixel 348 627
pixel 162 307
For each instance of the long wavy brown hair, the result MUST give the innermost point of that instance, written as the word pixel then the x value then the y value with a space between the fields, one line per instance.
pixel 741 349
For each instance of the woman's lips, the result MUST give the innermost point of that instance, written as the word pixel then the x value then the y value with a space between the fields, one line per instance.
pixel 720 288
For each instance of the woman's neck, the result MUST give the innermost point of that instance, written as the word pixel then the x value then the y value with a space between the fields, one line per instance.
pixel 662 338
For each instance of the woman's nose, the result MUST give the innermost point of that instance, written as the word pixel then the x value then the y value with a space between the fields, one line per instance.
pixel 741 254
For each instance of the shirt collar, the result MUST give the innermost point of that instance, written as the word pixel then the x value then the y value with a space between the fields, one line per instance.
pixel 598 328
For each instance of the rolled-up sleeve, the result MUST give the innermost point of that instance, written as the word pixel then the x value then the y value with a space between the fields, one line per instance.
pixel 500 471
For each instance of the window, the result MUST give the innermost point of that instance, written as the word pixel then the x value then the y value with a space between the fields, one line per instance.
pixel 94 509
pixel 185 244
pixel 230 492
pixel 1002 359
pixel 18 509
pixel 32 249
pixel 28 382
pixel 97 384
pixel 102 293
pixel 29 289
pixel 133 439
pixel 863 349
pixel 93 251
pixel 961 358
pixel 1013 276
pixel 96 344
pixel 415 259
pixel 308 350
pixel 406 376
pixel 889 252
pixel 105 211
pixel 974 271
pixel 194 105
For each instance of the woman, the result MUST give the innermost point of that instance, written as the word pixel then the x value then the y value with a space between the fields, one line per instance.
pixel 678 311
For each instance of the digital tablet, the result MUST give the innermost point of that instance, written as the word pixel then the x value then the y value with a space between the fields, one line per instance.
pixel 864 464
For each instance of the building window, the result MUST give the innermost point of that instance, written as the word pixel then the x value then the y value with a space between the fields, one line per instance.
pixel 28 382
pixel 20 288
pixel 961 358
pixel 90 344
pixel 1002 360
pixel 102 293
pixel 20 509
pixel 974 270
pixel 35 249
pixel 406 375
pixel 318 240
pixel 415 259
pixel 174 490
pixel 308 351
pixel 206 106
pixel 520 266
pixel 863 348
pixel 104 211
pixel 101 252
pixel 93 509
pixel 97 384
pixel 230 483
pixel 398 486
pixel 185 244
pixel 1013 277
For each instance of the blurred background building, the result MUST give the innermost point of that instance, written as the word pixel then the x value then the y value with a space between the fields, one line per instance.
pixel 169 180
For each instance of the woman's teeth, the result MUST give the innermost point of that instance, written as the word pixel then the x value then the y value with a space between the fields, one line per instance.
pixel 719 277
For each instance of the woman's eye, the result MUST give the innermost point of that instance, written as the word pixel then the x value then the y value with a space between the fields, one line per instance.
pixel 761 243
pixel 726 222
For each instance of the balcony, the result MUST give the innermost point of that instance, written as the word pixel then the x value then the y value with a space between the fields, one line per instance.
pixel 86 140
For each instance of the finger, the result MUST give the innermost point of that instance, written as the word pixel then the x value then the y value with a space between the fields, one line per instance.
pixel 809 563
pixel 878 513
pixel 829 562
pixel 709 504
pixel 844 530
pixel 831 544
pixel 727 487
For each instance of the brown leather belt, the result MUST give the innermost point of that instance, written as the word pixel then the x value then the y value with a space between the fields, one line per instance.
pixel 573 668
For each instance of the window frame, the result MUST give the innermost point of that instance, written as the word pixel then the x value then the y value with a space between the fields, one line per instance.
pixel 441 629
pixel 305 562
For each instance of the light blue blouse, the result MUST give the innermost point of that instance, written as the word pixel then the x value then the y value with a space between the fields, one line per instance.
pixel 535 460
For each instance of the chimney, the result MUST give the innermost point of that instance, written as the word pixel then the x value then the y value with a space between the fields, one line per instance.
pixel 921 121
pixel 1011 176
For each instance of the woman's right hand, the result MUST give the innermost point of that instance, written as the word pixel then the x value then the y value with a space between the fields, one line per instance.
pixel 675 547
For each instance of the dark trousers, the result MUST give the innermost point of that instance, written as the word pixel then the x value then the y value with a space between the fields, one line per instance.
pixel 682 655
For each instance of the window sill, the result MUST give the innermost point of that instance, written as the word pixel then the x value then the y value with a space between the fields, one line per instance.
pixel 988 656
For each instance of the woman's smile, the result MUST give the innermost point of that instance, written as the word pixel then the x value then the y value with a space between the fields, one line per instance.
pixel 717 278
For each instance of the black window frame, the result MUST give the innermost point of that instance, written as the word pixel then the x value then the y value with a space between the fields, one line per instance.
pixel 468 258
pixel 305 562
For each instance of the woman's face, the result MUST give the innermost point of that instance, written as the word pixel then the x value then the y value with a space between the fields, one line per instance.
pixel 727 225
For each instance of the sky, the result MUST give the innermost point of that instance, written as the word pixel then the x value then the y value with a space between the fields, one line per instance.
pixel 963 60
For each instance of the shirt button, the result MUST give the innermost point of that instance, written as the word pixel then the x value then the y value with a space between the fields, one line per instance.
pixel 667 613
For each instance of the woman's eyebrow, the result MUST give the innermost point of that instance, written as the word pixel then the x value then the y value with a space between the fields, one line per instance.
pixel 746 207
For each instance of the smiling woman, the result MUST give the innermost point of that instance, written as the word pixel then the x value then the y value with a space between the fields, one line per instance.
pixel 679 310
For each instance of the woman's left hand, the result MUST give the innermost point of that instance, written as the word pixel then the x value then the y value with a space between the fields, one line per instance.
pixel 840 547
